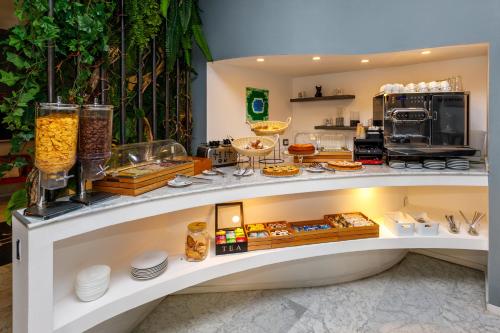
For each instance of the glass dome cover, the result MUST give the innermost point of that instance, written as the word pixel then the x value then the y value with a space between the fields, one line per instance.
pixel 140 158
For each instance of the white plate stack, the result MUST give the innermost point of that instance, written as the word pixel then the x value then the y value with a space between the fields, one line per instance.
pixel 149 265
pixel 92 282
pixel 458 164
pixel 397 164
pixel 414 165
pixel 435 164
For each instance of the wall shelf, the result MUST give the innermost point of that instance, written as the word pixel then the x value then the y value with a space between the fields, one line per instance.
pixel 335 128
pixel 324 98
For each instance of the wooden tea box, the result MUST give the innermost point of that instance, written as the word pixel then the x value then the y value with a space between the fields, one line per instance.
pixel 257 243
pixel 278 241
pixel 309 232
pixel 230 236
pixel 346 231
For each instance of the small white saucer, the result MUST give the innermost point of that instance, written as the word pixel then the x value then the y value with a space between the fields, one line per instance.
pixel 179 183
pixel 247 172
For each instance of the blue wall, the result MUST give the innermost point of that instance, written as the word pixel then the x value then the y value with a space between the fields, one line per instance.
pixel 239 28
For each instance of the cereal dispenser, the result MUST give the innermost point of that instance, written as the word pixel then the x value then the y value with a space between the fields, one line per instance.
pixel 56 133
pixel 94 150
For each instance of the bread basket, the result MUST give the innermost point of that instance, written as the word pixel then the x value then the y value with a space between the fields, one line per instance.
pixel 268 142
pixel 270 127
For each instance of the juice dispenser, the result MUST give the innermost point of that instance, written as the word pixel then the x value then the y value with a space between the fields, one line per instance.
pixel 94 150
pixel 56 134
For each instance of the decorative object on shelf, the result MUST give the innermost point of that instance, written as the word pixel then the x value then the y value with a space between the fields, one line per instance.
pixel 318 92
pixel 453 226
pixel 56 137
pixel 142 167
pixel 257 101
pixel 94 150
pixel 322 98
pixel 229 228
pixel 92 282
pixel 338 91
pixel 197 242
pixel 474 223
pixel 339 120
pixel 149 265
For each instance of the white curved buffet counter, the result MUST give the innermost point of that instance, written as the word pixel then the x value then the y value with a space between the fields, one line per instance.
pixel 36 309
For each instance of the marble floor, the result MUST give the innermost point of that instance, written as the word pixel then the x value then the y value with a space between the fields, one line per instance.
pixel 420 294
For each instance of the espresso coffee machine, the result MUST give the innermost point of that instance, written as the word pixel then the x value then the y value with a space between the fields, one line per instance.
pixel 424 124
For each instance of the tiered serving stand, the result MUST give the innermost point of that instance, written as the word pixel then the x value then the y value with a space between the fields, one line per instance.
pixel 240 146
pixel 270 128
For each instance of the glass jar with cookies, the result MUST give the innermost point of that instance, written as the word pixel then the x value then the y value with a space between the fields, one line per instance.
pixel 197 241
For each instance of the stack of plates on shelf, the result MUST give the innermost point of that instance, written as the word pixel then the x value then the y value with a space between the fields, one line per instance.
pixel 149 265
pixel 397 164
pixel 457 164
pixel 414 165
pixel 92 282
pixel 435 164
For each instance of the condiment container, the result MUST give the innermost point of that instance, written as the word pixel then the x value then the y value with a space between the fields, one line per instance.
pixel 56 134
pixel 197 241
pixel 400 223
pixel 94 141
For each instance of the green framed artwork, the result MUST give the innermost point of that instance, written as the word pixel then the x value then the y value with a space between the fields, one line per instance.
pixel 257 104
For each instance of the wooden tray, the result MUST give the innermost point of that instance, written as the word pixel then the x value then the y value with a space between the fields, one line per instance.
pixel 353 232
pixel 258 243
pixel 139 185
pixel 327 234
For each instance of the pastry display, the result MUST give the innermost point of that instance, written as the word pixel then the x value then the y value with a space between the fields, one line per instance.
pixel 280 170
pixel 301 149
pixel 197 241
pixel 256 144
pixel 345 165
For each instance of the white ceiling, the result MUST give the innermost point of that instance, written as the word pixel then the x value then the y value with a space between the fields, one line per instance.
pixel 303 65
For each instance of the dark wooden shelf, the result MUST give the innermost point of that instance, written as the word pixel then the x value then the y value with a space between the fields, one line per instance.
pixel 335 128
pixel 324 98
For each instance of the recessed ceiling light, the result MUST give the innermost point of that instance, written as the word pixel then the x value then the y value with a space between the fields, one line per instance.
pixel 260 59
pixel 316 58
pixel 426 52
pixel 364 61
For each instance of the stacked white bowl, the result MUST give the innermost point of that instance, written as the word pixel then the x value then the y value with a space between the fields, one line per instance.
pixel 92 282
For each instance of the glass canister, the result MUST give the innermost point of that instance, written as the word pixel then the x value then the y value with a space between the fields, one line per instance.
pixel 95 137
pixel 56 134
pixel 197 241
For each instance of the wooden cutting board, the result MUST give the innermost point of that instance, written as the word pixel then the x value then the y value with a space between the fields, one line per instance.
pixel 143 184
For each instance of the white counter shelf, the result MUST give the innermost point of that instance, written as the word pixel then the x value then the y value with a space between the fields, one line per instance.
pixel 35 309
pixel 71 315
